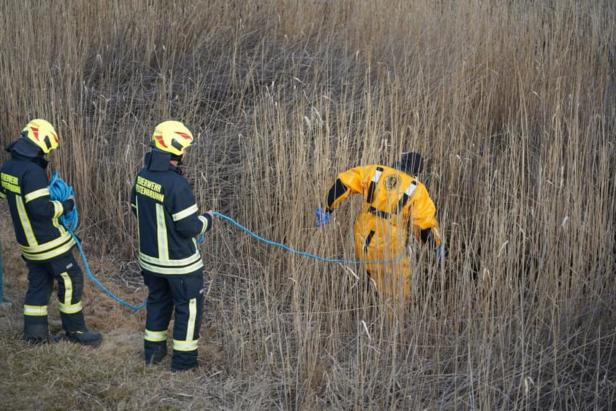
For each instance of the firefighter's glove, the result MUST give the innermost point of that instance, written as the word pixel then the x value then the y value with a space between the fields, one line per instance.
pixel 207 219
pixel 323 217
pixel 68 205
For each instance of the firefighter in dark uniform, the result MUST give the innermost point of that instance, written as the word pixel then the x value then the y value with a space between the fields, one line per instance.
pixel 169 223
pixel 395 205
pixel 46 246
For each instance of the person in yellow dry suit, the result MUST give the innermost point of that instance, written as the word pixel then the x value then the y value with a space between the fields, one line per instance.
pixel 395 202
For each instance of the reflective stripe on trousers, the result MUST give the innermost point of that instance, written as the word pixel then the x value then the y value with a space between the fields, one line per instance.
pixel 189 344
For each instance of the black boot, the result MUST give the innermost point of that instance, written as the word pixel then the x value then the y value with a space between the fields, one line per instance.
pixel 85 337
pixel 184 361
pixel 155 352
pixel 36 333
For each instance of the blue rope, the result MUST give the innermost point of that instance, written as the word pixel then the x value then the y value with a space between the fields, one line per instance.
pixel 60 190
pixel 295 251
pixel 101 286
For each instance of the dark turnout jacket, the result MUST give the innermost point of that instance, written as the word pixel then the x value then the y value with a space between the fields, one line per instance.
pixel 168 216
pixel 24 183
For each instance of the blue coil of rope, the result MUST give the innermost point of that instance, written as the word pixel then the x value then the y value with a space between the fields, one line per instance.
pixel 59 190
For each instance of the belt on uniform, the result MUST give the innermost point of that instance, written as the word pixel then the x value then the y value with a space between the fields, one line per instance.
pixel 379 213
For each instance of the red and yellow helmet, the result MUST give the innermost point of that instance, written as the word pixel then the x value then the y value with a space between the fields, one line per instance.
pixel 41 133
pixel 172 137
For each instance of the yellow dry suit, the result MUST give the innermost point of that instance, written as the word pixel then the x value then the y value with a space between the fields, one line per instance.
pixel 394 203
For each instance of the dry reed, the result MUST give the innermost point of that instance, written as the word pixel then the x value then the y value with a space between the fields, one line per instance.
pixel 513 103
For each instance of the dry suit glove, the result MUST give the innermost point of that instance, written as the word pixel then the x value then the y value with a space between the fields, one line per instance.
pixel 323 217
pixel 440 253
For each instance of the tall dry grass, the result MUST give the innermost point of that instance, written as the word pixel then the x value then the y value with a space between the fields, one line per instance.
pixel 513 103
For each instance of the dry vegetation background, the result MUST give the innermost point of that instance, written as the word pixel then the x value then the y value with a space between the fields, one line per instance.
pixel 513 103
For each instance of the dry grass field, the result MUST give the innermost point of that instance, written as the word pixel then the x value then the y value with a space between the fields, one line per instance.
pixel 512 102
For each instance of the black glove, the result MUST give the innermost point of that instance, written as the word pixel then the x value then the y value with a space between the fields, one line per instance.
pixel 208 216
pixel 68 205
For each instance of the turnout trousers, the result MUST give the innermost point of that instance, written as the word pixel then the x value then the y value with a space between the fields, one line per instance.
pixel 41 275
pixel 184 293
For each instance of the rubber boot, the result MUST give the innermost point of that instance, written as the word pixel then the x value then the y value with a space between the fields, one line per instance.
pixel 85 337
pixel 184 361
pixel 154 352
pixel 36 333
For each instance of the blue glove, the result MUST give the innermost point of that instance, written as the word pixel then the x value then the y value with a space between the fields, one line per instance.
pixel 323 217
pixel 200 239
pixel 440 253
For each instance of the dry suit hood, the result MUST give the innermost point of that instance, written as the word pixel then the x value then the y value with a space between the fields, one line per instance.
pixel 410 163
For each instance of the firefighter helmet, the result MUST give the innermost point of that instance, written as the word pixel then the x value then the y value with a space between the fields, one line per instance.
pixel 172 137
pixel 42 134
